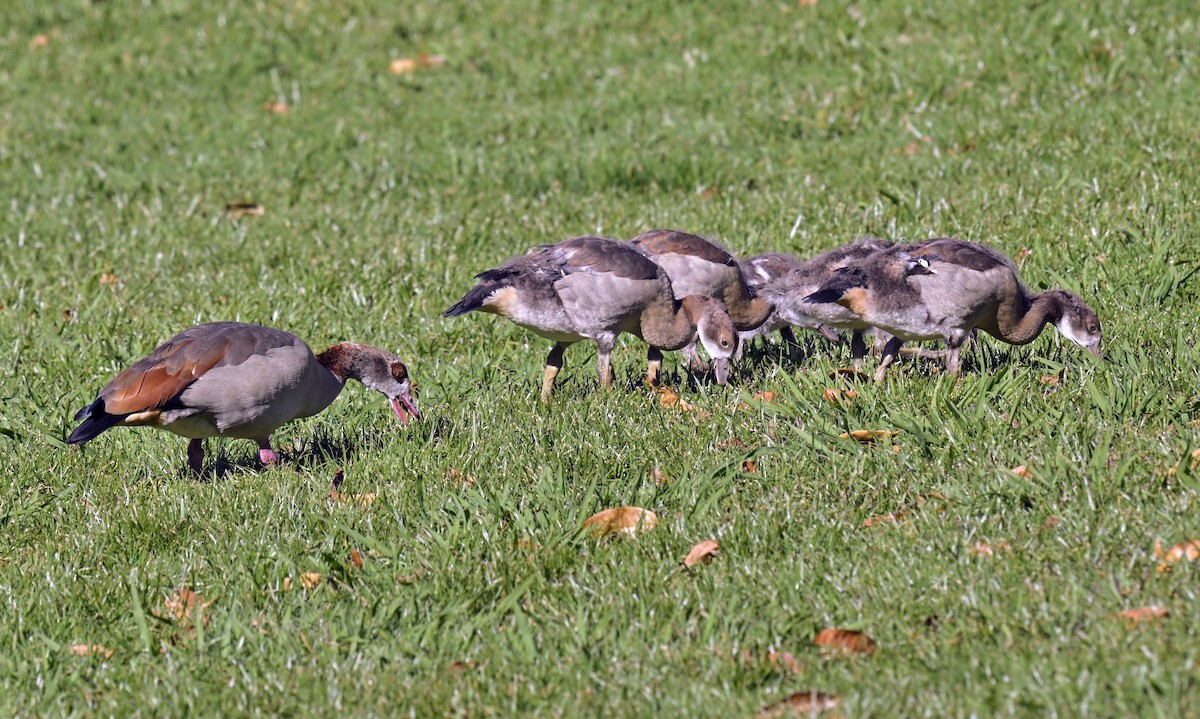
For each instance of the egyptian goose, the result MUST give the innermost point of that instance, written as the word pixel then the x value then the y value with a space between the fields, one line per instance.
pixel 229 379
pixel 787 292
pixel 944 289
pixel 698 266
pixel 595 288
pixel 758 272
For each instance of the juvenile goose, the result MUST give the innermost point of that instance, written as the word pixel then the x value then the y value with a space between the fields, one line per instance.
pixel 697 266
pixel 787 293
pixel 228 379
pixel 760 272
pixel 945 288
pixel 595 288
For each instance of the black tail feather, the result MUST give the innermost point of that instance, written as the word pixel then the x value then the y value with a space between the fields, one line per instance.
pixel 95 421
pixel 835 287
pixel 477 295
pixel 826 295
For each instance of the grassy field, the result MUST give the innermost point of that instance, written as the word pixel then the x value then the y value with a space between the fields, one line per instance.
pixel 1064 134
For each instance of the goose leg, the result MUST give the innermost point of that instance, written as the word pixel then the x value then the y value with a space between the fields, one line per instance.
pixel 554 363
pixel 890 351
pixel 789 342
pixel 858 349
pixel 604 348
pixel 195 455
pixel 266 455
pixel 654 361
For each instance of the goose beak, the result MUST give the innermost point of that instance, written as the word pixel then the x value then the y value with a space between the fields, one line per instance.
pixel 405 408
pixel 827 333
pixel 1095 350
pixel 720 367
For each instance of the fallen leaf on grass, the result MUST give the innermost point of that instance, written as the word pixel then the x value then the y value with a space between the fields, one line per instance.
pixel 798 704
pixel 847 373
pixel 702 552
pixel 983 549
pixel 277 107
pixel 405 65
pixel 311 580
pixel 785 661
pixel 844 641
pixel 362 500
pixel 1142 615
pixel 459 477
pixel 1195 455
pixel 837 395
pixel 659 477
pixel 244 209
pixel 461 666
pixel 37 41
pixel 83 650
pixel 1184 551
pixel 1053 521
pixel 621 520
pixel 1022 471
pixel 749 466
pixel 1051 379
pixel 184 606
pixel 889 518
pixel 356 559
pixel 668 397
pixel 869 435
pixel 107 278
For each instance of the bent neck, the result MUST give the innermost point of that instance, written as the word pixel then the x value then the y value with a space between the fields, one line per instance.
pixel 1020 326
pixel 344 361
pixel 671 324
pixel 746 310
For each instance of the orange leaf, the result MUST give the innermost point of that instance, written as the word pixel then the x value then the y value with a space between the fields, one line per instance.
pixel 107 278
pixel 668 397
pixel 356 559
pixel 621 520
pixel 277 107
pixel 765 396
pixel 836 395
pixel 869 435
pixel 431 60
pixel 749 466
pixel 702 552
pixel 983 549
pixel 311 580
pixel 459 477
pixel 889 518
pixel 1022 471
pixel 1184 551
pixel 183 604
pixel 39 41
pixel 335 495
pixel 806 3
pixel 659 477
pixel 785 661
pixel 844 641
pixel 849 374
pixel 799 704
pixel 1050 379
pixel 83 650
pixel 1142 615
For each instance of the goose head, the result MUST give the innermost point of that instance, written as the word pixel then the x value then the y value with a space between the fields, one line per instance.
pixel 377 369
pixel 1078 322
pixel 716 332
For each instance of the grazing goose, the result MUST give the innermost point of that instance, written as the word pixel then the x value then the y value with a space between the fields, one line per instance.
pixel 788 291
pixel 945 288
pixel 595 288
pixel 697 266
pixel 229 379
pixel 760 272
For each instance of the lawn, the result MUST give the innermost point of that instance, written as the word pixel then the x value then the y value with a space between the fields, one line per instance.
pixel 453 577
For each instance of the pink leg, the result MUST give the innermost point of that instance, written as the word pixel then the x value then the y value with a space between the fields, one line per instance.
pixel 265 454
pixel 195 455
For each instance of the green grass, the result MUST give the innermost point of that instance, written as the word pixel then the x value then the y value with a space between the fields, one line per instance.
pixel 1067 130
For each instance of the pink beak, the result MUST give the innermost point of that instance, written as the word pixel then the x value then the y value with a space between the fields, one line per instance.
pixel 405 409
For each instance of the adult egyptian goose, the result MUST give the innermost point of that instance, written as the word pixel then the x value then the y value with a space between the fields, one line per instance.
pixel 229 379
pixel 697 266
pixel 595 288
pixel 786 292
pixel 945 288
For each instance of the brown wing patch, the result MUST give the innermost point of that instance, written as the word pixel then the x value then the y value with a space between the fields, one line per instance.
pixel 661 242
pixel 959 252
pixel 855 300
pixel 162 376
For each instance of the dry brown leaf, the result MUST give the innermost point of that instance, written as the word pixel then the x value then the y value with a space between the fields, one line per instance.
pixel 834 395
pixel 431 60
pixel 41 40
pixel 732 443
pixel 844 641
pixel 983 549
pixel 459 477
pixel 749 466
pixel 402 66
pixel 1142 615
pixel 800 703
pixel 765 396
pixel 621 520
pixel 659 477
pixel 702 552
pixel 83 650
pixel 461 666
pixel 311 580
pixel 668 397
pixel 889 518
pixel 107 278
pixel 847 373
pixel 277 107
pixel 1053 521
pixel 362 500
pixel 1195 455
pixel 244 209
pixel 869 435
pixel 1184 551
pixel 287 584
pixel 183 607
pixel 785 661
pixel 356 559
pixel 806 3
pixel 1022 471
pixel 1051 379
